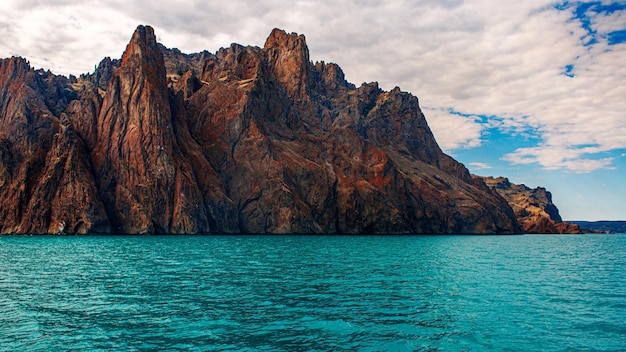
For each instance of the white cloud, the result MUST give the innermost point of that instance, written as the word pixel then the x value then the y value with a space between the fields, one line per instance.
pixel 559 157
pixel 453 131
pixel 478 166
pixel 606 23
pixel 64 36
pixel 480 57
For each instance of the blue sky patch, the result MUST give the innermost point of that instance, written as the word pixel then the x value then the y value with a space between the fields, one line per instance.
pixel 568 71
pixel 583 12
pixel 496 143
pixel 617 37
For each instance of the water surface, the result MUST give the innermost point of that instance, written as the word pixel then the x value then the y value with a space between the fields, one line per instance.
pixel 368 293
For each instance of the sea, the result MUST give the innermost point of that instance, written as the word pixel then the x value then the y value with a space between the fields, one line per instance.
pixel 313 293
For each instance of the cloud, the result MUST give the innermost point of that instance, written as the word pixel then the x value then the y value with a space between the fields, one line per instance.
pixel 479 166
pixel 559 157
pixel 520 84
pixel 531 68
pixel 453 131
pixel 63 35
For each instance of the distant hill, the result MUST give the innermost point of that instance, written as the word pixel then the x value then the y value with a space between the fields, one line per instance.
pixel 534 209
pixel 603 226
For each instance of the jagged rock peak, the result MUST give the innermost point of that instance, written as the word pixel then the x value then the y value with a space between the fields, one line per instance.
pixel 143 44
pixel 105 70
pixel 288 57
pixel 280 38
pixel 15 63
pixel 143 58
pixel 135 141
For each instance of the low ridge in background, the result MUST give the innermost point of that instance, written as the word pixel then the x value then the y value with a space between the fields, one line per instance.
pixel 534 209
pixel 246 140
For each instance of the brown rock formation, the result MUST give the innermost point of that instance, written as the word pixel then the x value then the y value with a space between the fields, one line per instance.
pixel 145 182
pixel 45 181
pixel 249 140
pixel 533 208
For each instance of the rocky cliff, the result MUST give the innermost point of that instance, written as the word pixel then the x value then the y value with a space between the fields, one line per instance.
pixel 246 140
pixel 533 208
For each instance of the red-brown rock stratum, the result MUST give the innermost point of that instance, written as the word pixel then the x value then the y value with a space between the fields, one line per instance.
pixel 246 140
pixel 533 208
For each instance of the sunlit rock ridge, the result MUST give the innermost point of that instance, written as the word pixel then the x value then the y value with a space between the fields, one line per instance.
pixel 246 140
pixel 533 207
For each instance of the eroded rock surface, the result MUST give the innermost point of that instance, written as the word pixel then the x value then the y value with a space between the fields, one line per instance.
pixel 534 209
pixel 46 184
pixel 246 140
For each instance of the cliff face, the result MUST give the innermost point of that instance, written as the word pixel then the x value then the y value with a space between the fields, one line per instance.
pixel 247 140
pixel 533 208
pixel 46 185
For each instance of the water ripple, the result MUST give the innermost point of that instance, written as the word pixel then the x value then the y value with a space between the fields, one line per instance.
pixel 273 293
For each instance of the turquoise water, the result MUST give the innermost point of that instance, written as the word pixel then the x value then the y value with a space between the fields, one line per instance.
pixel 273 293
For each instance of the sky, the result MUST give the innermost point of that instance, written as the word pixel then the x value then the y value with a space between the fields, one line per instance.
pixel 533 90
